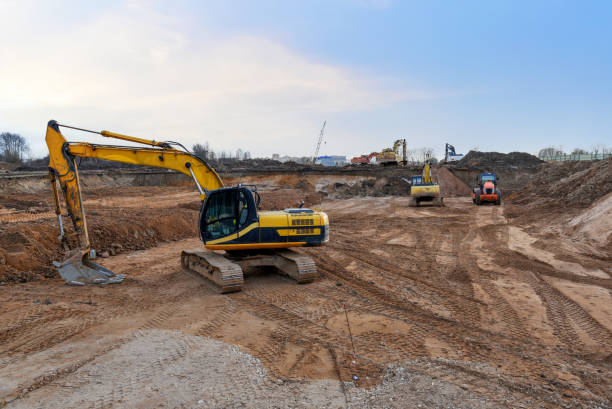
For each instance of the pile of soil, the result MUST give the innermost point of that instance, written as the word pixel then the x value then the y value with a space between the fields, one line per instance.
pixel 450 185
pixel 595 224
pixel 28 249
pixel 392 185
pixel 289 198
pixel 562 184
pixel 496 160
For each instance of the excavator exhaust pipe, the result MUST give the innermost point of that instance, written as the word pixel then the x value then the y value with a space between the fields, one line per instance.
pixel 78 269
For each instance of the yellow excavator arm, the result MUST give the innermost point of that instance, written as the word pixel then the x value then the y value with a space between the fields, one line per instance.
pixel 63 169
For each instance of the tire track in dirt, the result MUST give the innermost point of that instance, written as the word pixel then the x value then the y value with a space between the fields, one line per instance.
pixel 379 348
pixel 487 233
pixel 475 347
pixel 25 217
pixel 46 339
pixel 561 311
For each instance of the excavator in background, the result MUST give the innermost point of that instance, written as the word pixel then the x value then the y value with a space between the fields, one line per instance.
pixel 364 159
pixel 450 155
pixel 235 234
pixel 391 156
pixel 486 189
pixel 424 189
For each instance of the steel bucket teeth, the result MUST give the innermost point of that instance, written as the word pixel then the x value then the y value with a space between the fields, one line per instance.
pixel 77 269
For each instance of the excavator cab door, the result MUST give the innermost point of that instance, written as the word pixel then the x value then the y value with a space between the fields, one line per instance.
pixel 226 212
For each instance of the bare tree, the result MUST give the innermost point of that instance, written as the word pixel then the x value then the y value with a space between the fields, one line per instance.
pixel 599 148
pixel 579 151
pixel 427 153
pixel 13 147
pixel 550 152
pixel 239 154
pixel 201 151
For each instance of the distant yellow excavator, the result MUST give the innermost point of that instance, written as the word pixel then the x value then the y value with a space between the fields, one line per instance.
pixel 229 216
pixel 391 156
pixel 424 189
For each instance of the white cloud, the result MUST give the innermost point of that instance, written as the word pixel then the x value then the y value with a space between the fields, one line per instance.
pixel 133 70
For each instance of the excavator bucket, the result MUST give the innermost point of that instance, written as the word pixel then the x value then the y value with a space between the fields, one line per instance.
pixel 78 269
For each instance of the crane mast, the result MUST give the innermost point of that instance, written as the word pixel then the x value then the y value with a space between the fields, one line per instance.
pixel 316 154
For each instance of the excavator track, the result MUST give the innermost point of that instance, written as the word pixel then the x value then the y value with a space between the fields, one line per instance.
pixel 226 270
pixel 416 202
pixel 227 276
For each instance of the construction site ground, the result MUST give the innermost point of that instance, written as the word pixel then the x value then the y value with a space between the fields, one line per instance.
pixel 457 306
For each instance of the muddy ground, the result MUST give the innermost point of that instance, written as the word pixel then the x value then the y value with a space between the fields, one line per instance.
pixel 460 306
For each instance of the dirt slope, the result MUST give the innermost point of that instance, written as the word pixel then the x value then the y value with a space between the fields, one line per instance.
pixel 450 185
pixel 578 183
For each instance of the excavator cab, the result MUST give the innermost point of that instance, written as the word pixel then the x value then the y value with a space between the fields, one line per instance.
pixel 227 212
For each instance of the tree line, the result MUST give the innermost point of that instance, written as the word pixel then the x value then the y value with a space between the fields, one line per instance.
pixel 203 151
pixel 555 152
pixel 13 147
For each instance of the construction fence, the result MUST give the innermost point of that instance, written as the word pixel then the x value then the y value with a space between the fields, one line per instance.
pixel 569 157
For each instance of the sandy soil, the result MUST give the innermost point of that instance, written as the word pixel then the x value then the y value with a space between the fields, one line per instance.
pixel 448 307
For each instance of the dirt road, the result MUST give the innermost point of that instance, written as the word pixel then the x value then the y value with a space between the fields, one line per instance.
pixel 448 307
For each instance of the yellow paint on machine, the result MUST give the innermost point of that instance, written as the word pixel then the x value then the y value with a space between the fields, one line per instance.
pixel 433 190
pixel 273 219
pixel 255 246
pixel 304 231
pixel 235 235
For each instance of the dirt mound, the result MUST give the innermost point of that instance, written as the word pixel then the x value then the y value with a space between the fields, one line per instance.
pixel 450 185
pixel 383 186
pixel 287 198
pixel 496 160
pixel 577 184
pixel 27 250
pixel 595 223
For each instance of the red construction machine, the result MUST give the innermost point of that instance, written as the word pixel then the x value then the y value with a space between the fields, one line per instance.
pixel 486 190
pixel 364 158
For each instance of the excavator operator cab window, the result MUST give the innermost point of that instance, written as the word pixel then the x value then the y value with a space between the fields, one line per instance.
pixel 227 211
pixel 220 214
pixel 243 210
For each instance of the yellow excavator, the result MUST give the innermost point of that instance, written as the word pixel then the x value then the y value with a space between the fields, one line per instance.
pixel 235 234
pixel 391 156
pixel 424 189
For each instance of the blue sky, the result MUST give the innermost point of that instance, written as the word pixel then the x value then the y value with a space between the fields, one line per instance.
pixel 263 75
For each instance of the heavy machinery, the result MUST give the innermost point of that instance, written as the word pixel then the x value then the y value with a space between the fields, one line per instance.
pixel 391 156
pixel 450 155
pixel 236 235
pixel 364 159
pixel 423 189
pixel 486 189
pixel 319 140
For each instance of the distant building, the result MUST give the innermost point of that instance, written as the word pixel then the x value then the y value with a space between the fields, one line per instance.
pixel 331 160
pixel 296 159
